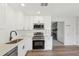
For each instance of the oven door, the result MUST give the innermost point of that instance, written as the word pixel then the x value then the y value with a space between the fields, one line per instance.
pixel 38 44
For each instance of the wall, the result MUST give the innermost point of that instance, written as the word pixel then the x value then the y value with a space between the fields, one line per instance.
pixel 14 18
pixel 69 29
pixel 10 19
pixel 48 38
pixel 60 32
pixel 3 32
pixel 77 31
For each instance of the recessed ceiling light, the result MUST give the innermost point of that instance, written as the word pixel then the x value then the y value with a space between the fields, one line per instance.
pixel 22 4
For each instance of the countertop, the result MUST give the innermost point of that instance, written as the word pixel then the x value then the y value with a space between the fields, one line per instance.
pixel 4 48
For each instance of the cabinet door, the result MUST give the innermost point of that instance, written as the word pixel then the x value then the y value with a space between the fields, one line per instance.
pixel 10 18
pixel 2 16
pixel 20 21
pixel 29 43
pixel 21 48
pixel 14 19
pixel 28 22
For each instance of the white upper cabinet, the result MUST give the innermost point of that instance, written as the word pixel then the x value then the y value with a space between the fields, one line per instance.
pixel 15 19
pixel 20 21
pixel 28 23
pixel 2 16
pixel 38 19
pixel 30 20
pixel 47 21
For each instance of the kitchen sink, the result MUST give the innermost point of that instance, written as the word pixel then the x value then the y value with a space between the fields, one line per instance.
pixel 14 41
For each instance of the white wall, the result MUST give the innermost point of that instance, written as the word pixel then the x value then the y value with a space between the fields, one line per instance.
pixel 77 29
pixel 69 27
pixel 3 32
pixel 48 38
pixel 60 32
pixel 70 31
pixel 14 18
pixel 10 19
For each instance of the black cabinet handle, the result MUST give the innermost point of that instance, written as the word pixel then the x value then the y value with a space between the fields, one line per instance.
pixel 23 47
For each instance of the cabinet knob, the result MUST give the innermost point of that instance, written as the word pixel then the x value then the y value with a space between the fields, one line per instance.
pixel 23 47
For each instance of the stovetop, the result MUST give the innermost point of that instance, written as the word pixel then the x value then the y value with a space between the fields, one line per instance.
pixel 38 36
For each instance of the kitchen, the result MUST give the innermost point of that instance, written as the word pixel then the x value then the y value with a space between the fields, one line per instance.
pixel 18 27
pixel 25 27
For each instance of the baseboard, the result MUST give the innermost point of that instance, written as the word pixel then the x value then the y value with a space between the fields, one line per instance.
pixel 60 42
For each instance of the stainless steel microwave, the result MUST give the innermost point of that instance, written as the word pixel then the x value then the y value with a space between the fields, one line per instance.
pixel 38 26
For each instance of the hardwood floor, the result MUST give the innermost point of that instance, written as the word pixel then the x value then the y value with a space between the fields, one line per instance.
pixel 57 51
pixel 57 43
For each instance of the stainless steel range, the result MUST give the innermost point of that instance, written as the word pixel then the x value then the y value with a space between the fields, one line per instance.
pixel 38 37
pixel 38 40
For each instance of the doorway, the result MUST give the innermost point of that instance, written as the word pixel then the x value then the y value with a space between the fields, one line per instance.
pixel 57 32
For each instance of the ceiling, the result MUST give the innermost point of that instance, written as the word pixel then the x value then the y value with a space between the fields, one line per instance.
pixel 53 9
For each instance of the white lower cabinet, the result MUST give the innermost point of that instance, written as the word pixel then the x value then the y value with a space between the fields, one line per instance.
pixel 29 44
pixel 22 48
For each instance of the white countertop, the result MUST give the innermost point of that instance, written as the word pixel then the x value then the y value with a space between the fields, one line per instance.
pixel 4 48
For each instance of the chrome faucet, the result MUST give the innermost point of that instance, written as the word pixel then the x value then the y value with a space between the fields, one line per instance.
pixel 11 34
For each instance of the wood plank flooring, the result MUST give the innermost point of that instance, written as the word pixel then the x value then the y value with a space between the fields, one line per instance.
pixel 57 51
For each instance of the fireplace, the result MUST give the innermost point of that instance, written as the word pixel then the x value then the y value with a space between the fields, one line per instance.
pixel 38 44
